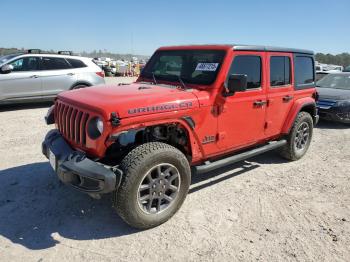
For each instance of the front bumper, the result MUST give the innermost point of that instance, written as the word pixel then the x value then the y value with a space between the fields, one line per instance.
pixel 336 116
pixel 75 169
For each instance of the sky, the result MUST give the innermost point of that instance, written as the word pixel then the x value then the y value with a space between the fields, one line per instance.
pixel 141 26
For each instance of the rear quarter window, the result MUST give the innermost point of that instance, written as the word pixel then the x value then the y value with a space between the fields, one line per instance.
pixel 75 63
pixel 304 71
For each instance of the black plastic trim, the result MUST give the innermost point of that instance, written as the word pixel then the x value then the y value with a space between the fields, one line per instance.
pixel 271 49
pixel 189 121
pixel 77 170
pixel 239 157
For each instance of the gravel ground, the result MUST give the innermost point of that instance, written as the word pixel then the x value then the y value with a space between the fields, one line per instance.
pixel 264 209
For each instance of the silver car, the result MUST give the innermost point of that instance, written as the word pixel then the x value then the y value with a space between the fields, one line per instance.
pixel 33 77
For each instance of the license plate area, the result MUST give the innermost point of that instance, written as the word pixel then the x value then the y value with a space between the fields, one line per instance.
pixel 52 159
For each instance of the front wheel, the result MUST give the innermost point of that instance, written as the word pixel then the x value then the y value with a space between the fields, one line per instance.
pixel 299 137
pixel 156 181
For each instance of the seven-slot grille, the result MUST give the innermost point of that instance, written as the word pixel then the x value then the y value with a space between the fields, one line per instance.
pixel 71 122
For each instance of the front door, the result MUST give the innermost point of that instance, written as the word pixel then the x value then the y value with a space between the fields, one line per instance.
pixel 279 91
pixel 23 82
pixel 242 118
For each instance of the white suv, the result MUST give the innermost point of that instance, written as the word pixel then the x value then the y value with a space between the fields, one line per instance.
pixel 33 76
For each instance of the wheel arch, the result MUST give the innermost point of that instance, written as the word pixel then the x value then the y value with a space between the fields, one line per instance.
pixel 85 83
pixel 306 105
pixel 193 151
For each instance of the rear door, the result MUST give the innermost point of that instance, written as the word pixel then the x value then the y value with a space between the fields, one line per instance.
pixel 57 75
pixel 242 120
pixel 24 82
pixel 280 90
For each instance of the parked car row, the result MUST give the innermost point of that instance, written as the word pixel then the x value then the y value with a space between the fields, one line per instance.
pixel 36 76
pixel 120 67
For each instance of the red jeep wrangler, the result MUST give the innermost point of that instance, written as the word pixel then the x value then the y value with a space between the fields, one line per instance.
pixel 193 106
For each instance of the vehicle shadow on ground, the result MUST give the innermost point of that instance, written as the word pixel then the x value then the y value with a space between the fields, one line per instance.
pixel 34 205
pixel 17 107
pixel 331 125
pixel 36 210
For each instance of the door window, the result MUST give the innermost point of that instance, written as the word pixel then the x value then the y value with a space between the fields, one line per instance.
pixel 25 64
pixel 279 70
pixel 249 65
pixel 54 63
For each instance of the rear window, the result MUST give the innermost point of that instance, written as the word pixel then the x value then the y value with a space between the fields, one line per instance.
pixel 54 63
pixel 75 63
pixel 304 71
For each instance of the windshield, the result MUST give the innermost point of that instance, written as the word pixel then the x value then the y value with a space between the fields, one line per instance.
pixel 190 66
pixel 4 59
pixel 336 81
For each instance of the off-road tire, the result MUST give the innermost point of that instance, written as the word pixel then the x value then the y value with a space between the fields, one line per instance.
pixel 134 166
pixel 289 151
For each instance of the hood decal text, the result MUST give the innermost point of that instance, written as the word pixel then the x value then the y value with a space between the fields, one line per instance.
pixel 160 108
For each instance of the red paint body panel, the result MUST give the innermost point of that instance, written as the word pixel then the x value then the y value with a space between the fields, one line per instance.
pixel 233 121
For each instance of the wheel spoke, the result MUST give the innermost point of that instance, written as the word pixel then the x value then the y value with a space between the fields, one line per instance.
pixel 144 198
pixel 174 176
pixel 168 198
pixel 159 201
pixel 149 204
pixel 173 188
pixel 144 187
pixel 159 171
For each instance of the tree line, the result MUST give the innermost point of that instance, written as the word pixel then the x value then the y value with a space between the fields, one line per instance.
pixel 92 54
pixel 339 59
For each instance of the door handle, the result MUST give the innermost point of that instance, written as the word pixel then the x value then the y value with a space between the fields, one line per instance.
pixel 287 98
pixel 259 103
pixel 34 76
pixel 71 74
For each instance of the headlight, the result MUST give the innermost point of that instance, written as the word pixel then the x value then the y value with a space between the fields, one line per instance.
pixel 95 127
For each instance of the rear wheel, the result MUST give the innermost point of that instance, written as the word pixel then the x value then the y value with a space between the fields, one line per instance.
pixel 299 138
pixel 155 184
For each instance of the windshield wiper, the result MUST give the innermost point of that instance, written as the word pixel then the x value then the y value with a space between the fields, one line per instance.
pixel 182 82
pixel 154 78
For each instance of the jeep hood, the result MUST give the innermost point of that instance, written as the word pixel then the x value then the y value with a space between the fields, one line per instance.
pixel 131 100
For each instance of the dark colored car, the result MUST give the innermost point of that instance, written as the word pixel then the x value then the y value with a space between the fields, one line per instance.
pixel 347 69
pixel 334 97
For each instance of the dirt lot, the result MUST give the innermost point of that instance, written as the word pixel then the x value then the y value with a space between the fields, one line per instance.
pixel 264 209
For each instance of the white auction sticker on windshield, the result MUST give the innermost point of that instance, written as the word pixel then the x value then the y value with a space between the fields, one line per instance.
pixel 207 66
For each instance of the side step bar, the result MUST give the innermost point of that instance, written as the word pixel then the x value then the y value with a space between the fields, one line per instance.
pixel 239 157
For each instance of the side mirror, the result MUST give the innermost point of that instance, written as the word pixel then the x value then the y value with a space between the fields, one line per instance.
pixel 236 83
pixel 5 69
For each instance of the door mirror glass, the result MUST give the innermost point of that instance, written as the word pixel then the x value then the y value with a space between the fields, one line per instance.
pixel 5 69
pixel 236 83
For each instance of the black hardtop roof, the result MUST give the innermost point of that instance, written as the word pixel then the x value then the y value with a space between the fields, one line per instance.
pixel 271 49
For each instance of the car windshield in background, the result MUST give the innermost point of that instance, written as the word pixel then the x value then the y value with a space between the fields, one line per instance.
pixel 4 59
pixel 191 66
pixel 337 81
